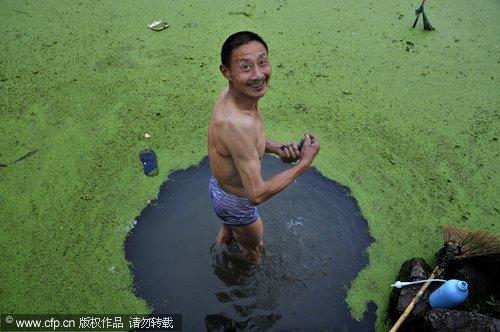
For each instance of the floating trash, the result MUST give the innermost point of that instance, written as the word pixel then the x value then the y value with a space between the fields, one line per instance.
pixel 133 223
pixel 158 25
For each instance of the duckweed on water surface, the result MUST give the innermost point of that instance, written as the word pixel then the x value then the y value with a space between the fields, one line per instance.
pixel 407 119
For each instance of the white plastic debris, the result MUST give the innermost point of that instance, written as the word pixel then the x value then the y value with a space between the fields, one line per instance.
pixel 158 25
pixel 133 223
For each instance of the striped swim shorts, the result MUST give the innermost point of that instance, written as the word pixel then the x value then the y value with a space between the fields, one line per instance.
pixel 232 210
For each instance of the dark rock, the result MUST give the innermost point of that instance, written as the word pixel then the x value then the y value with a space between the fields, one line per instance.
pixel 481 310
pixel 446 254
pixel 412 270
pixel 455 320
pixel 482 275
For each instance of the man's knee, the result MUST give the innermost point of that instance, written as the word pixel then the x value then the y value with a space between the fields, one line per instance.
pixel 225 235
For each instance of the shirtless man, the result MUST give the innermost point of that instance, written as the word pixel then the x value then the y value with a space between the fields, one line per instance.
pixel 236 144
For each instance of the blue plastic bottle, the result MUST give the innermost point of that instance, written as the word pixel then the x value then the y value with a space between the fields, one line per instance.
pixel 450 294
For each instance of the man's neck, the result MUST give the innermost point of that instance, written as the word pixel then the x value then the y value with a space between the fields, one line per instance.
pixel 243 102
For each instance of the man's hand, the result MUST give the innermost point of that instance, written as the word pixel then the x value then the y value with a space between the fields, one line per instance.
pixel 310 148
pixel 289 153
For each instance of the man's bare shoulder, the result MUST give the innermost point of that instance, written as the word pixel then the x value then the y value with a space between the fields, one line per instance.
pixel 223 93
pixel 230 118
pixel 234 130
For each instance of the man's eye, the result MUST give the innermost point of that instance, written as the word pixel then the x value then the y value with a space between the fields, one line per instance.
pixel 263 63
pixel 246 67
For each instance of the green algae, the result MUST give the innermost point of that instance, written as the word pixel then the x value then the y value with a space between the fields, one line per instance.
pixel 407 119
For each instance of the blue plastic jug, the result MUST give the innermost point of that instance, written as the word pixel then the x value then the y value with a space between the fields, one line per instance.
pixel 450 294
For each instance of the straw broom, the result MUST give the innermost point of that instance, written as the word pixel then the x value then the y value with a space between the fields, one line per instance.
pixel 458 244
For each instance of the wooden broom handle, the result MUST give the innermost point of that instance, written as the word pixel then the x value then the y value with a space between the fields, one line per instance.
pixel 417 297
pixel 416 19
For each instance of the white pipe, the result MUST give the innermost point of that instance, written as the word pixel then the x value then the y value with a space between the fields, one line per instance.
pixel 400 284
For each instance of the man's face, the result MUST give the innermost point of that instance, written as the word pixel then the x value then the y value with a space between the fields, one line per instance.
pixel 250 69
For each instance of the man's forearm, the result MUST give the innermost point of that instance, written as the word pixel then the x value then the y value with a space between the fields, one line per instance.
pixel 279 182
pixel 273 146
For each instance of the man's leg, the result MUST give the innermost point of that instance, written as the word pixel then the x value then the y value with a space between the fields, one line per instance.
pixel 250 238
pixel 225 235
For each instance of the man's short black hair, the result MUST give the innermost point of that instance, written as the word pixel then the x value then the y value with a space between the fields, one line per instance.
pixel 236 40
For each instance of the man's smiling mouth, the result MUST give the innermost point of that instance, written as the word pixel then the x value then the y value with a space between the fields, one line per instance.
pixel 257 85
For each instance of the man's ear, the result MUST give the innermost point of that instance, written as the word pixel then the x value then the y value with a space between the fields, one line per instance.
pixel 225 72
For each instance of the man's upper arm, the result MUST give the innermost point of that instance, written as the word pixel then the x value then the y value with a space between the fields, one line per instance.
pixel 240 141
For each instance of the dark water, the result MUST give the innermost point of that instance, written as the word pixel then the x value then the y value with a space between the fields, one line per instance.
pixel 314 237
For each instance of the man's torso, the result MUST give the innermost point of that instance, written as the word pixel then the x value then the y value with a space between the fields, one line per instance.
pixel 221 162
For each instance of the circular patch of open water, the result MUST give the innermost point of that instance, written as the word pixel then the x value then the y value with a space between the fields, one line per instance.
pixel 314 237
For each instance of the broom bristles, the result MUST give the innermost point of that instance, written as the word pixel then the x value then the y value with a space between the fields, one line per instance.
pixel 472 243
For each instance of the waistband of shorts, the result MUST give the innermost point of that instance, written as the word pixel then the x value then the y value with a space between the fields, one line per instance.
pixel 213 179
